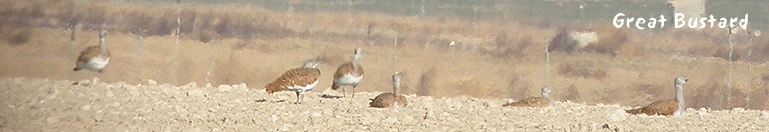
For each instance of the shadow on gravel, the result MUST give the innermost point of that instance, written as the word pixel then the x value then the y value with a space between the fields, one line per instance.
pixel 330 96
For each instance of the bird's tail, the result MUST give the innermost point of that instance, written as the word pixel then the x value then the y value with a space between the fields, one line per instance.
pixel 372 103
pixel 635 111
pixel 273 87
pixel 335 86
pixel 513 104
pixel 506 104
pixel 77 69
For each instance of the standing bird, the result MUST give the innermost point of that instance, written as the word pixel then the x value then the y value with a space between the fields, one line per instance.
pixel 349 74
pixel 386 100
pixel 543 101
pixel 673 107
pixel 299 80
pixel 94 57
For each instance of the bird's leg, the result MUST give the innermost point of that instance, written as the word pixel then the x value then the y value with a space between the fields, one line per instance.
pixel 297 98
pixel 344 94
pixel 301 97
pixel 353 91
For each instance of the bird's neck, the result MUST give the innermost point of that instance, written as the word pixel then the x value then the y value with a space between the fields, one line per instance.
pixel 356 65
pixel 355 61
pixel 396 86
pixel 102 46
pixel 680 99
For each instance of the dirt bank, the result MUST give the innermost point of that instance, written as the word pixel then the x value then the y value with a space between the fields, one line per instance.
pixel 58 105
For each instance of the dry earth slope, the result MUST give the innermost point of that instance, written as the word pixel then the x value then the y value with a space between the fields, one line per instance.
pixel 30 104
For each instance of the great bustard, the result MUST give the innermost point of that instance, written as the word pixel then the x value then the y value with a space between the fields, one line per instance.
pixel 299 80
pixel 543 101
pixel 386 100
pixel 675 107
pixel 95 57
pixel 349 74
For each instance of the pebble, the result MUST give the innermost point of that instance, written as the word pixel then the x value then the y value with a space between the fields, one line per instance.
pixel 52 93
pixel 390 120
pixel 407 119
pixel 328 112
pixel 225 88
pixel 737 110
pixel 243 86
pixel 151 82
pixel 84 82
pixel 167 91
pixel 118 84
pixel 618 115
pixel 190 85
pixel 86 108
pixel 195 93
pixel 273 118
pixel 286 127
pixel 458 106
pixel 133 90
pixel 179 109
pixel 109 93
pixel 702 109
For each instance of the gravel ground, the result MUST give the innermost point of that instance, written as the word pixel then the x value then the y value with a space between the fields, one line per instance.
pixel 92 105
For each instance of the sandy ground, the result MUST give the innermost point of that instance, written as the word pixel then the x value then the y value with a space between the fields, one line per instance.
pixel 472 79
pixel 90 105
pixel 490 59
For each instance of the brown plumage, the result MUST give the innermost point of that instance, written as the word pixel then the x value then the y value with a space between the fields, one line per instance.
pixel 387 100
pixel 543 101
pixel 94 57
pixel 530 102
pixel 349 74
pixel 665 107
pixel 298 80
pixel 662 107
